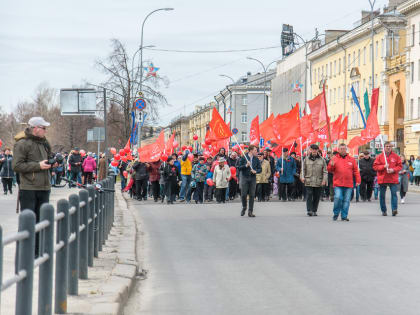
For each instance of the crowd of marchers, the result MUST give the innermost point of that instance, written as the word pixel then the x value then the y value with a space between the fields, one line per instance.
pixel 254 174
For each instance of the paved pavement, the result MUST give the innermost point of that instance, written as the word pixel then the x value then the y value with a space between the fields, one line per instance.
pixel 206 259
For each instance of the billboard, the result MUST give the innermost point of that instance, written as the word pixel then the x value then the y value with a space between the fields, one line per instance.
pixel 78 101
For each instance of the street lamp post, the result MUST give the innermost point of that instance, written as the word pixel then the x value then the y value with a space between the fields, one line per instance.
pixel 372 5
pixel 230 96
pixel 265 68
pixel 141 62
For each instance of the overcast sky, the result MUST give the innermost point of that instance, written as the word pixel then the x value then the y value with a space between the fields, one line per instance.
pixel 57 42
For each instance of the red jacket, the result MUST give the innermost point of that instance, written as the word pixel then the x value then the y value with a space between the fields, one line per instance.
pixel 394 162
pixel 344 171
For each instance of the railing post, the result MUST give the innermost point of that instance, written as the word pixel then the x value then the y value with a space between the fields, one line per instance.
pixel 90 227
pixel 1 261
pixel 83 249
pixel 96 223
pixel 101 218
pixel 107 207
pixel 73 284
pixel 46 269
pixel 61 264
pixel 112 203
pixel 26 256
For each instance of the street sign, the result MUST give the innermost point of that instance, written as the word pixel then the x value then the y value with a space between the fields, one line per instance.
pixel 235 131
pixel 140 104
pixel 78 101
pixel 261 142
pixel 96 134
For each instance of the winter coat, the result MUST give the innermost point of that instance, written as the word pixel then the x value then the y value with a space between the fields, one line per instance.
pixel 289 170
pixel 6 170
pixel 403 178
pixel 394 162
pixel 141 170
pixel 199 172
pixel 89 164
pixel 73 161
pixel 28 151
pixel 367 173
pixel 221 176
pixel 314 171
pixel 153 169
pixel 345 171
pixel 186 166
pixel 102 169
pixel 170 173
pixel 161 171
pixel 262 178
pixel 245 171
pixel 416 166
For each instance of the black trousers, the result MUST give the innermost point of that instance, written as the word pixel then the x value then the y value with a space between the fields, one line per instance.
pixel 366 188
pixel 141 188
pixel 259 193
pixel 155 189
pixel 285 190
pixel 198 193
pixel 171 188
pixel 312 198
pixel 88 178
pixel 32 200
pixel 417 180
pixel 208 192
pixel 233 189
pixel 248 187
pixel 7 184
pixel 221 194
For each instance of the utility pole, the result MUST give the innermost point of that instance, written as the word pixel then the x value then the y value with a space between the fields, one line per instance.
pixel 372 5
pixel 105 125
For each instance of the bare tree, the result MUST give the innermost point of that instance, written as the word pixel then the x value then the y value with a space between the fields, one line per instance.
pixel 123 81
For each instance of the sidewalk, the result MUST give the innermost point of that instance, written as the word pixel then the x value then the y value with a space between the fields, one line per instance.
pixel 110 280
pixel 413 188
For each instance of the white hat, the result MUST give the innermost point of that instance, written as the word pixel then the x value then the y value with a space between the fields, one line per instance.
pixel 38 121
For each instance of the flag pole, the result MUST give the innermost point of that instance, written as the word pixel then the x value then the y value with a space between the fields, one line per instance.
pixel 301 157
pixel 328 118
pixel 241 148
pixel 383 151
pixel 282 160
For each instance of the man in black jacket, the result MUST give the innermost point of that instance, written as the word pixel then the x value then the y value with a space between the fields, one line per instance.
pixel 142 177
pixel 75 162
pixel 367 173
pixel 249 166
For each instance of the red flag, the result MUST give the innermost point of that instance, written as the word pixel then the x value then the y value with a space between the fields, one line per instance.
pixel 318 108
pixel 306 126
pixel 218 126
pixel 343 129
pixel 152 152
pixel 169 145
pixel 335 129
pixel 372 127
pixel 286 127
pixel 254 132
pixel 323 135
pixel 356 141
pixel 266 129
pixel 374 101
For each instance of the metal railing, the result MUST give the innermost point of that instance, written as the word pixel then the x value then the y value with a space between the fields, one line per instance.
pixel 82 224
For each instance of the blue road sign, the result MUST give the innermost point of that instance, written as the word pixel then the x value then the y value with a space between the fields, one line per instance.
pixel 235 131
pixel 261 142
pixel 140 104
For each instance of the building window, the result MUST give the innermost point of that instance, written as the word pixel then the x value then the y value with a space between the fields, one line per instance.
pixel 412 72
pixel 364 55
pixel 411 109
pixel 335 100
pixel 326 70
pixel 322 72
pixel 319 74
pixel 382 48
pixel 349 62
pixel 380 115
pixel 358 58
pixel 244 118
pixel 344 65
pixel 339 66
pixel 354 59
pixel 244 136
pixel 244 99
pixel 331 69
pixel 376 81
pixel 335 67
pixel 370 83
pixel 376 49
pixel 339 93
pixel 413 34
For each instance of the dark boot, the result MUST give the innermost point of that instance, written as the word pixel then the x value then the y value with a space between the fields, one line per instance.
pixel 250 214
pixel 243 212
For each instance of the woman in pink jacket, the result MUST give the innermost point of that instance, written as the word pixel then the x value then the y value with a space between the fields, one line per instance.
pixel 89 166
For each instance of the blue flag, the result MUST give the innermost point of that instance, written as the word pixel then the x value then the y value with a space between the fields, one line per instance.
pixel 356 101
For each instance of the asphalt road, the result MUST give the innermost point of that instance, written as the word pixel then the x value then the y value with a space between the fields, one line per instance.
pixel 206 259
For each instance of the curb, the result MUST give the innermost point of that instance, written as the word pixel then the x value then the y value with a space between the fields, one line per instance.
pixel 114 288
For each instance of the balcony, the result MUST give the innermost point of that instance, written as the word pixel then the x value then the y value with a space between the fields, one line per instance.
pixel 396 64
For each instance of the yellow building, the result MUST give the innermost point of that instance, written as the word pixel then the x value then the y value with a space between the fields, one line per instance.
pixel 346 60
pixel 199 121
pixel 180 125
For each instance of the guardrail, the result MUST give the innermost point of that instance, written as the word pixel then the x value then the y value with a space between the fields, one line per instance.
pixel 82 224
